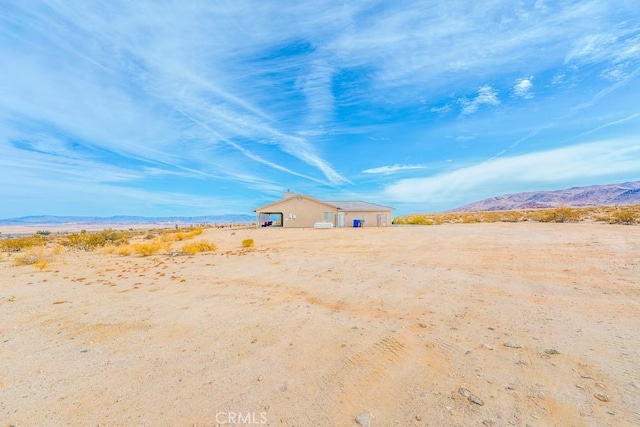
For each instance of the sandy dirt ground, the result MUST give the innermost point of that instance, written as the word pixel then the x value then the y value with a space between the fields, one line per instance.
pixel 403 326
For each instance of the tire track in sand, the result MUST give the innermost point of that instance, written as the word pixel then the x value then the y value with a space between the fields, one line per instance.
pixel 361 378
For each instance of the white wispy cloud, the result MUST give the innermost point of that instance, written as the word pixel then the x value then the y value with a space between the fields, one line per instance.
pixel 93 187
pixel 386 170
pixel 442 109
pixel 487 95
pixel 571 112
pixel 617 44
pixel 541 5
pixel 523 88
pixel 157 64
pixel 612 123
pixel 595 160
pixel 486 36
pixel 465 137
pixel 603 93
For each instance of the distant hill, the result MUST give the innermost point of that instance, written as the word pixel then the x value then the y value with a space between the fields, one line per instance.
pixel 627 193
pixel 125 220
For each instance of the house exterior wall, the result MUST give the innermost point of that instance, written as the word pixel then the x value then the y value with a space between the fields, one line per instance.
pixel 303 212
pixel 370 218
pixel 299 211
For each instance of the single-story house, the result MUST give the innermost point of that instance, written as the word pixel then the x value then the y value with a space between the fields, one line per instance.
pixel 300 210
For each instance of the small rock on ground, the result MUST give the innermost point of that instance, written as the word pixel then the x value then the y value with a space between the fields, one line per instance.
pixel 471 397
pixel 475 399
pixel 601 396
pixel 512 345
pixel 551 351
pixel 364 419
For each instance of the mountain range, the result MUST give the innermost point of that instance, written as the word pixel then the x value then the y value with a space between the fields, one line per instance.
pixel 125 220
pixel 627 193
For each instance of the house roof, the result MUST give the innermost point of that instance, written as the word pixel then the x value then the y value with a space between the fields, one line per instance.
pixel 292 197
pixel 357 206
pixel 341 205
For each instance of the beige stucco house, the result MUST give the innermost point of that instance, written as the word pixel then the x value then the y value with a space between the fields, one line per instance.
pixel 300 210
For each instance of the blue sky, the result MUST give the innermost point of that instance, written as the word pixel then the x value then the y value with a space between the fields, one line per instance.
pixel 204 107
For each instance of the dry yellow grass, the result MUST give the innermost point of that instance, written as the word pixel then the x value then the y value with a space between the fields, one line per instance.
pixel 248 243
pixel 611 214
pixel 36 257
pixel 28 258
pixel 22 243
pixel 182 234
pixel 150 248
pixel 198 246
pixel 110 249
pixel 125 250
pixel 88 241
pixel 41 265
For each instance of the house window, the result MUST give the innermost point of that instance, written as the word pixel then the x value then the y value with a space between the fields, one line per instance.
pixel 328 216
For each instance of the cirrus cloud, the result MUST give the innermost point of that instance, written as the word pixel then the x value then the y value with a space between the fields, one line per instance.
pixel 605 159
pixel 386 170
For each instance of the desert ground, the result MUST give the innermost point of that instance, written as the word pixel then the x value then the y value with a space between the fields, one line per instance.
pixel 451 325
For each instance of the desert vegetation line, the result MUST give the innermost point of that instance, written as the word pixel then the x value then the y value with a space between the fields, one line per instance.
pixel 40 249
pixel 628 215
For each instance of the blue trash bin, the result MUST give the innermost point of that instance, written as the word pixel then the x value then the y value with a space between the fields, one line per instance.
pixel 356 223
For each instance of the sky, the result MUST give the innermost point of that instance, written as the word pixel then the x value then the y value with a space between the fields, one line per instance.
pixel 163 108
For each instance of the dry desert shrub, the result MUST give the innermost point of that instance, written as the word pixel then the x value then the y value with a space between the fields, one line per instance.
pixel 248 243
pixel 110 249
pixel 626 216
pixel 561 214
pixel 199 246
pixel 439 219
pixel 612 214
pixel 512 216
pixel 89 241
pixel 42 264
pixel 21 243
pixel 470 218
pixel 491 217
pixel 37 258
pixel 421 220
pixel 182 234
pixel 125 250
pixel 150 248
pixel 413 220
